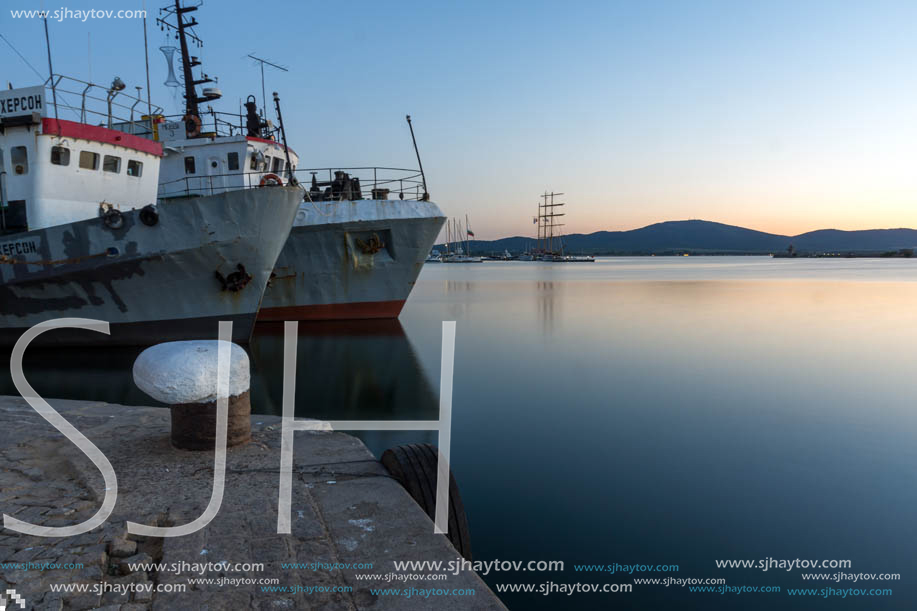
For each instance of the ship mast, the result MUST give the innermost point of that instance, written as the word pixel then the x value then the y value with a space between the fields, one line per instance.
pixel 546 228
pixel 188 62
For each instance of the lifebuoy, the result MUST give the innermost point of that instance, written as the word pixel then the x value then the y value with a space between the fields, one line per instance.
pixel 192 125
pixel 271 180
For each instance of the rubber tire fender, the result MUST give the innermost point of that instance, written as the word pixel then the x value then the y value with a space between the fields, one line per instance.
pixel 149 216
pixel 414 467
pixel 113 219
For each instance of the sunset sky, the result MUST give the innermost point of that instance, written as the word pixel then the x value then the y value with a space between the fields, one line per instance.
pixel 779 116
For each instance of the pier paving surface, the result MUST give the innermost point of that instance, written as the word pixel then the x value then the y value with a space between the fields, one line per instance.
pixel 346 509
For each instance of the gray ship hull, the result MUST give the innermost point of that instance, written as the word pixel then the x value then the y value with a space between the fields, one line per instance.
pixel 351 260
pixel 170 281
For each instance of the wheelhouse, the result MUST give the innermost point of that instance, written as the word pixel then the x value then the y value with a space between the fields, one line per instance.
pixel 213 164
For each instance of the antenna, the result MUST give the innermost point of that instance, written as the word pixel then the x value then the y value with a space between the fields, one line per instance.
pixel 146 59
pixel 272 65
pixel 51 71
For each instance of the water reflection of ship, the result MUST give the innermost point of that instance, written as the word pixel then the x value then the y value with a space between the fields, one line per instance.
pixel 78 373
pixel 346 370
pixel 547 304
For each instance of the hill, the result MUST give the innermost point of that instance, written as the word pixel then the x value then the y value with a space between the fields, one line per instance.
pixel 700 237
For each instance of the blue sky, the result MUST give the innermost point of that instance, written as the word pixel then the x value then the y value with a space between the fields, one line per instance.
pixel 782 116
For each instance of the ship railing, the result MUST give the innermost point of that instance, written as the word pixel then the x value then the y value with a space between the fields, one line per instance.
pixel 222 124
pixel 93 104
pixel 331 184
pixel 318 184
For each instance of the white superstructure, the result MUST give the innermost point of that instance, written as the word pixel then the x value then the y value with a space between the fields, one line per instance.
pixel 55 171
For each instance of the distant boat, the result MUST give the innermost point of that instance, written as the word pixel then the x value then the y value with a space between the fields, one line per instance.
pixel 526 256
pixel 434 257
pixel 460 258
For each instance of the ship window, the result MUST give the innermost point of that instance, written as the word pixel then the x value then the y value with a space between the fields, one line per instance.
pixel 60 155
pixel 189 165
pixel 134 168
pixel 277 166
pixel 254 163
pixel 19 157
pixel 233 160
pixel 89 160
pixel 111 164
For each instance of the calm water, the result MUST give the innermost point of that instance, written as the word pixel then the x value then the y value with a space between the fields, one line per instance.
pixel 638 411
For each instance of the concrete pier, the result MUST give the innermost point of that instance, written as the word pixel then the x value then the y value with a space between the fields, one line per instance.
pixel 345 510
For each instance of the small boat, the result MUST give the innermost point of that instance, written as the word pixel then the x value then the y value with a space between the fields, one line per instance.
pixel 460 258
pixel 454 229
pixel 434 257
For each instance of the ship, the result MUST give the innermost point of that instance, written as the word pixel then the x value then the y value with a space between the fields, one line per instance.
pixel 352 258
pixel 84 235
pixel 354 251
pixel 550 248
pixel 458 236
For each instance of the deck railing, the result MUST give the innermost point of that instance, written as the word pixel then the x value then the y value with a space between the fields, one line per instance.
pixel 95 104
pixel 226 124
pixel 318 184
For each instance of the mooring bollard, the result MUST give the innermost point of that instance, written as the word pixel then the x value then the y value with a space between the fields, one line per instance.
pixel 184 375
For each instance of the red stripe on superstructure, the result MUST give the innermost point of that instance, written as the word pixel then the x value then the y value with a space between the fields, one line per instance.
pixel 95 133
pixel 266 141
pixel 334 311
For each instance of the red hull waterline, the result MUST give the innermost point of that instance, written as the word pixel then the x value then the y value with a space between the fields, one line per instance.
pixel 334 311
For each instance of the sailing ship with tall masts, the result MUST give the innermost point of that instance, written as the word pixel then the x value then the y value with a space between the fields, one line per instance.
pixel 547 242
pixel 550 245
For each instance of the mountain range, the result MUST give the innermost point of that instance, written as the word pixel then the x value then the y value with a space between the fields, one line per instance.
pixel 706 237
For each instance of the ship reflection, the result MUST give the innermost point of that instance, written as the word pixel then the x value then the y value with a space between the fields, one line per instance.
pixel 78 373
pixel 346 370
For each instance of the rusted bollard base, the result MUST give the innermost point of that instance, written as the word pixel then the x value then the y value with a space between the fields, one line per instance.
pixel 194 425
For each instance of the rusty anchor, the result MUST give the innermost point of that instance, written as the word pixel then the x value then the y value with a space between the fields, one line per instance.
pixel 236 281
pixel 371 246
